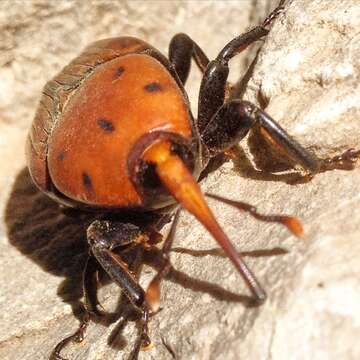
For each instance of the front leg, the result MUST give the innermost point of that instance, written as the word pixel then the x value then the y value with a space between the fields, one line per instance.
pixel 213 85
pixel 104 237
pixel 233 121
pixel 76 337
pixel 181 50
pixel 213 88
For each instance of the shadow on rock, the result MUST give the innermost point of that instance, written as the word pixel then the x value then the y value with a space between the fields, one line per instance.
pixel 39 229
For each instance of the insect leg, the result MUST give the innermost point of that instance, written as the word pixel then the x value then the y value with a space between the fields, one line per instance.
pixel 102 240
pixel 90 282
pixel 103 237
pixel 213 86
pixel 233 121
pixel 181 49
pixel 78 337
pixel 344 161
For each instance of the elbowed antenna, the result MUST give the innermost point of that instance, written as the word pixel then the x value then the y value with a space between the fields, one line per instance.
pixel 175 176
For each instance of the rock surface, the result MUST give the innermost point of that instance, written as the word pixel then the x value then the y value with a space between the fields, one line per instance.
pixel 307 77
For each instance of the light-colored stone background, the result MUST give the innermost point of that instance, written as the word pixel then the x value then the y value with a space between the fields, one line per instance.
pixel 307 74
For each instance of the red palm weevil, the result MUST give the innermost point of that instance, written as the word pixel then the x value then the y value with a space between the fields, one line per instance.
pixel 114 134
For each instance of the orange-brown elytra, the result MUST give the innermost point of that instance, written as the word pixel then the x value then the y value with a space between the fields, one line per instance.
pixel 114 134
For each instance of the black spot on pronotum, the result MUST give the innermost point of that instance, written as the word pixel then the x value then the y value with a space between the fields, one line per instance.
pixel 61 156
pixel 86 179
pixel 118 72
pixel 153 87
pixel 106 125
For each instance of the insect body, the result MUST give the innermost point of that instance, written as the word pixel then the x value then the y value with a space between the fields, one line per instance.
pixel 114 133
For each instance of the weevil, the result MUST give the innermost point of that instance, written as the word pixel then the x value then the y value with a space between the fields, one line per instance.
pixel 114 134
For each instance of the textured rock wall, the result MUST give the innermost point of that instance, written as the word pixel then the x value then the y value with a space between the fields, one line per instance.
pixel 307 77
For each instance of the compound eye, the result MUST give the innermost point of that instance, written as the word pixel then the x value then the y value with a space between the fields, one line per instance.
pixel 148 177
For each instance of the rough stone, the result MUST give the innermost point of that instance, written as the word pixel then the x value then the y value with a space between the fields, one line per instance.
pixel 307 77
